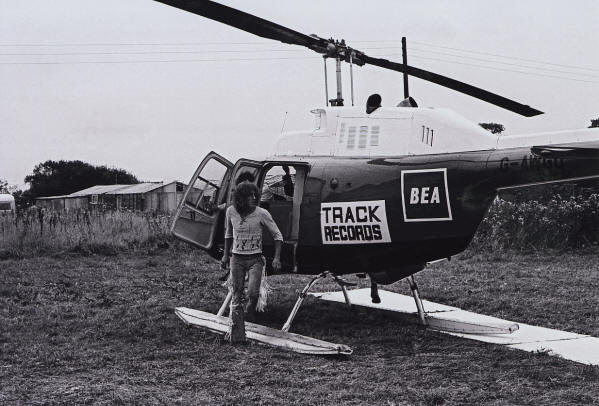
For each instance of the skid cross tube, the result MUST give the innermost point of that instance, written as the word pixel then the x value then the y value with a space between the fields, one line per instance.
pixel 300 300
pixel 225 305
pixel 304 293
pixel 343 284
pixel 416 295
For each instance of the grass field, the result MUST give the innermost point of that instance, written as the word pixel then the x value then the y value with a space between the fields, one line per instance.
pixel 77 329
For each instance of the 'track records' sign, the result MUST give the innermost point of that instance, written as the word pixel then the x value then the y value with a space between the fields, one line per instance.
pixel 425 195
pixel 354 222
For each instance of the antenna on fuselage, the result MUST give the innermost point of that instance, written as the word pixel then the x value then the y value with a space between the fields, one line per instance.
pixel 407 101
pixel 404 55
pixel 326 83
pixel 351 75
pixel 284 121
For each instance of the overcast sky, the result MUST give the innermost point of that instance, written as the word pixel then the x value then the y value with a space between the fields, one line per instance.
pixel 142 86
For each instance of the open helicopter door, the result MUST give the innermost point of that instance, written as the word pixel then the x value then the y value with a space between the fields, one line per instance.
pixel 282 185
pixel 282 188
pixel 198 219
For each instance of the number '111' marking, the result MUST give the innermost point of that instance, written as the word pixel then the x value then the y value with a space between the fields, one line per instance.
pixel 427 135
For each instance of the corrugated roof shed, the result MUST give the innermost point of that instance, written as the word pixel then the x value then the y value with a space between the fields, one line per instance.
pixel 51 197
pixel 112 190
pixel 138 188
pixel 98 190
pixel 5 197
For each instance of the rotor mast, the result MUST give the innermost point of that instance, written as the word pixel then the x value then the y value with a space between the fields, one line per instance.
pixel 336 49
pixel 339 100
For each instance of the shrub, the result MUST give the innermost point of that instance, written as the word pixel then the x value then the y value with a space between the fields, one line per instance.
pixel 559 223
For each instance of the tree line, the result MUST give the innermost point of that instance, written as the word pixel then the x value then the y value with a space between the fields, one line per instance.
pixel 58 178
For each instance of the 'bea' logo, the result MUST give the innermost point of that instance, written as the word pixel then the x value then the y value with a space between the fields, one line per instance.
pixel 425 195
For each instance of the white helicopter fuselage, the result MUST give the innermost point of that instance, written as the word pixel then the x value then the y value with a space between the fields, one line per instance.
pixel 399 131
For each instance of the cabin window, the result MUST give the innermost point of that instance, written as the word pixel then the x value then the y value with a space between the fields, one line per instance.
pixel 94 199
pixel 318 117
pixel 351 137
pixel 5 206
pixel 205 187
pixel 374 135
pixel 363 137
pixel 342 133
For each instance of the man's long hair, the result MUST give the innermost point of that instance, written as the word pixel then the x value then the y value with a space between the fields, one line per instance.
pixel 240 198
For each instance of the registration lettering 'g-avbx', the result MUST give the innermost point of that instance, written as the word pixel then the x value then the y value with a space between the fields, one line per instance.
pixel 354 222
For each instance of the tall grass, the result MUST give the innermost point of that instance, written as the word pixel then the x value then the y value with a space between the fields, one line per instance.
pixel 41 232
pixel 560 223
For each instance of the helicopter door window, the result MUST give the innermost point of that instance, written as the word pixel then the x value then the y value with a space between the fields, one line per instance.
pixel 319 117
pixel 245 170
pixel 197 220
pixel 204 192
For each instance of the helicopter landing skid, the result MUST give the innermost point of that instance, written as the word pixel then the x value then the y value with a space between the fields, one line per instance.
pixel 262 334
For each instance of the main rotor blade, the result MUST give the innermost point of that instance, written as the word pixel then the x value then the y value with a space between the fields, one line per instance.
pixel 244 21
pixel 267 29
pixel 456 85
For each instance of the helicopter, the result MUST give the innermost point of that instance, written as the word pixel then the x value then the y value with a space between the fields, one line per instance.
pixel 377 191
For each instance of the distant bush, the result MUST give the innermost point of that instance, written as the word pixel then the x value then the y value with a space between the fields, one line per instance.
pixel 558 223
pixel 36 232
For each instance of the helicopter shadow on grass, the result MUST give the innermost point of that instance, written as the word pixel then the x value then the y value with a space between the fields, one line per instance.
pixel 365 330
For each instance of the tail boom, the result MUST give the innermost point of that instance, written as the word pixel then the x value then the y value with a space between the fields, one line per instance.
pixel 527 160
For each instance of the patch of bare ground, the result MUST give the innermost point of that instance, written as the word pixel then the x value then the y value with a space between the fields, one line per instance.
pixel 101 330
